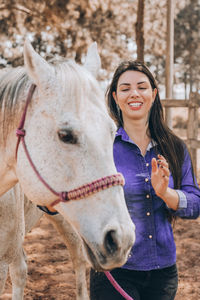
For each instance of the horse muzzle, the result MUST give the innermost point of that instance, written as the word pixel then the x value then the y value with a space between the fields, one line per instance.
pixel 111 255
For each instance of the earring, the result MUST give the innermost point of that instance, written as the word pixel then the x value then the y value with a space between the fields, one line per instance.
pixel 119 116
pixel 118 110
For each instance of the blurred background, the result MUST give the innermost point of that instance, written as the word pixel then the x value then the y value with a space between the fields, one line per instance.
pixel 120 27
pixel 123 29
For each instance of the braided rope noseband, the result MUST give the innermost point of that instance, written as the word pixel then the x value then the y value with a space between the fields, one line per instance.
pixel 75 194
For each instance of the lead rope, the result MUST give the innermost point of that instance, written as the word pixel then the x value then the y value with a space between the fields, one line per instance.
pixel 117 286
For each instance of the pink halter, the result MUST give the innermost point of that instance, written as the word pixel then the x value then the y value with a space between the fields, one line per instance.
pixel 78 193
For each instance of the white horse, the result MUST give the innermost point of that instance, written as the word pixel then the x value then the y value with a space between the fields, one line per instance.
pixel 69 140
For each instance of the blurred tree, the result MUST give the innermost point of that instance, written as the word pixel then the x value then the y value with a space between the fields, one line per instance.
pixel 187 44
pixel 60 27
pixel 155 34
pixel 67 27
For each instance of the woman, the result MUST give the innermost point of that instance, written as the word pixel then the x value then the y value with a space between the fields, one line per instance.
pixel 159 185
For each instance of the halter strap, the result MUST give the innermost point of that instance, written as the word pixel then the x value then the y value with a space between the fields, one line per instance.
pixel 20 132
pixel 75 194
pixel 90 188
pixel 47 211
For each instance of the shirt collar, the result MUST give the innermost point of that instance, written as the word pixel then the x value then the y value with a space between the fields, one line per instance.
pixel 124 136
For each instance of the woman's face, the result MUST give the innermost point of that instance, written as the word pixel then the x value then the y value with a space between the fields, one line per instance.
pixel 134 95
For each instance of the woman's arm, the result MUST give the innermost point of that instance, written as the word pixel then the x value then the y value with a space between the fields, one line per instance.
pixel 185 202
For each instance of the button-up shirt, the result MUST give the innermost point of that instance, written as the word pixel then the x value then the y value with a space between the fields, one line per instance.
pixel 154 246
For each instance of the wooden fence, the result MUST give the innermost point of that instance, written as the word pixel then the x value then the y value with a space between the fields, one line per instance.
pixel 193 103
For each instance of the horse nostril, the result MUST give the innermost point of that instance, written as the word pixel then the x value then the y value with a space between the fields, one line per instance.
pixel 110 242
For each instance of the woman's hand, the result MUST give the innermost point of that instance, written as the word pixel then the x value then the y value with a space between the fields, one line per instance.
pixel 160 175
pixel 160 180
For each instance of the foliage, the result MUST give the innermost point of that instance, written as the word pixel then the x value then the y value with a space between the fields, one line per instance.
pixel 187 44
pixel 67 27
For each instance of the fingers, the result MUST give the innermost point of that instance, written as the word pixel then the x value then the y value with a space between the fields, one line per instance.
pixel 154 165
pixel 165 176
pixel 162 161
pixel 160 166
pixel 163 164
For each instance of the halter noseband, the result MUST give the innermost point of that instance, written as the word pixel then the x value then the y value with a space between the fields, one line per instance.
pixel 75 194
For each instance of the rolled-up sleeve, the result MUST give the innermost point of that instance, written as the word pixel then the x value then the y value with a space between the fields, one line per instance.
pixel 189 193
pixel 182 199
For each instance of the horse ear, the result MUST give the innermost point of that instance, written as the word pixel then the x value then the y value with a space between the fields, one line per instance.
pixel 93 61
pixel 35 65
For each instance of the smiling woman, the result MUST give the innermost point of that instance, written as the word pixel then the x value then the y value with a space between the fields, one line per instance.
pixel 159 185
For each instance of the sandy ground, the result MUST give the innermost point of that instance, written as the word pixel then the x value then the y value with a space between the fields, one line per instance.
pixel 51 276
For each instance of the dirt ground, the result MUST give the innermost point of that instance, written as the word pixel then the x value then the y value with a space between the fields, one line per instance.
pixel 51 276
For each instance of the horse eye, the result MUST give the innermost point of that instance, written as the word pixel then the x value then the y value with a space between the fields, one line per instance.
pixel 67 137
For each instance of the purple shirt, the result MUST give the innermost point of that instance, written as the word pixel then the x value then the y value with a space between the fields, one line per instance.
pixel 154 247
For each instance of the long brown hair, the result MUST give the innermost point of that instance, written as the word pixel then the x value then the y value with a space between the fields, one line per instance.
pixel 168 144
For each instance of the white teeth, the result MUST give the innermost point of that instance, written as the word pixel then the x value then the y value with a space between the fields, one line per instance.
pixel 135 104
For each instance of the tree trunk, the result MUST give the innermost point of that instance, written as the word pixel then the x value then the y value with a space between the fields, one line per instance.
pixel 139 29
pixel 185 84
pixel 169 59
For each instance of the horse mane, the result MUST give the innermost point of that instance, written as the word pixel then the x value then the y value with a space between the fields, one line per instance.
pixel 13 83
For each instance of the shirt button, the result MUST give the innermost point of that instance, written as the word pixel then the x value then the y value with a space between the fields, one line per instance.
pixel 150 236
pixel 148 213
pixel 147 164
pixel 146 179
pixel 148 196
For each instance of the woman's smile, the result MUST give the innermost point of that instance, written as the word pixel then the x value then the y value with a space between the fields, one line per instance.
pixel 135 105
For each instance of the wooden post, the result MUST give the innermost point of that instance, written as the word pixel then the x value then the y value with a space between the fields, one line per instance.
pixel 139 30
pixel 192 129
pixel 193 104
pixel 169 59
